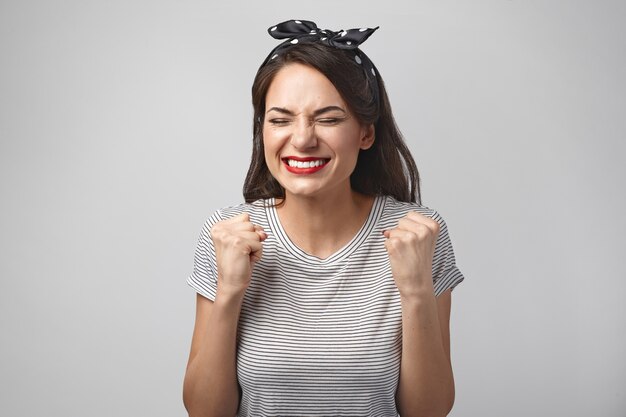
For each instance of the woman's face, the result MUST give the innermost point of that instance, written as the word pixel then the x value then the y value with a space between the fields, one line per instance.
pixel 311 138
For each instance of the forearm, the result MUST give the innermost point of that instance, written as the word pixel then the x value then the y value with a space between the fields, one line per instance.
pixel 426 386
pixel 210 387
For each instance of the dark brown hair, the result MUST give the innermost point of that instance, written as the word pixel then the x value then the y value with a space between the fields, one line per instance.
pixel 386 168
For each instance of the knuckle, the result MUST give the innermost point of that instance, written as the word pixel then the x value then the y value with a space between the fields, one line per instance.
pixel 390 245
pixel 411 238
pixel 413 215
pixel 237 241
pixel 422 228
pixel 217 233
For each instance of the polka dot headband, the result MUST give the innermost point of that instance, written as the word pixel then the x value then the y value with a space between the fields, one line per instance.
pixel 301 31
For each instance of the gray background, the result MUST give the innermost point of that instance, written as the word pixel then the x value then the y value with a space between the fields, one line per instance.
pixel 124 124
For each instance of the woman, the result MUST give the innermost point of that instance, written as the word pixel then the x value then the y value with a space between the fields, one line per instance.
pixel 328 292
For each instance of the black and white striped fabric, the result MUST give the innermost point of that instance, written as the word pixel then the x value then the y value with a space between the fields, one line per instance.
pixel 321 337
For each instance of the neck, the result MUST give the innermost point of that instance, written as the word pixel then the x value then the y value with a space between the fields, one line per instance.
pixel 322 225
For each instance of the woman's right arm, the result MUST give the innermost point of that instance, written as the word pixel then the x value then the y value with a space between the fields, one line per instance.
pixel 210 387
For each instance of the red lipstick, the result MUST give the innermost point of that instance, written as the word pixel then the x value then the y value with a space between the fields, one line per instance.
pixel 304 166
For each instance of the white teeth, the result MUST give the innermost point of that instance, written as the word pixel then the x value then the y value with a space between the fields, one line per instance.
pixel 305 164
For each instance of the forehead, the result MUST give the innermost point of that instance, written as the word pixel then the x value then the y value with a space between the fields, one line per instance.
pixel 300 87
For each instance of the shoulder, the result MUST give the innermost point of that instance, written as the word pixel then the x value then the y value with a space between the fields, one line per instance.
pixel 395 210
pixel 254 209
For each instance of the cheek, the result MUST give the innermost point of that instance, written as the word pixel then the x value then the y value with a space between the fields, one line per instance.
pixel 274 140
pixel 267 153
pixel 268 141
pixel 347 143
pixel 270 150
pixel 271 137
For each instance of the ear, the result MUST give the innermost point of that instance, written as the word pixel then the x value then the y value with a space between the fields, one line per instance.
pixel 368 135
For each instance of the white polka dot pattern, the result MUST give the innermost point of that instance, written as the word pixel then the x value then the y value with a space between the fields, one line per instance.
pixel 305 31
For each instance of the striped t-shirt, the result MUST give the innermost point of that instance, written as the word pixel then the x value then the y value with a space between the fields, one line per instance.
pixel 321 337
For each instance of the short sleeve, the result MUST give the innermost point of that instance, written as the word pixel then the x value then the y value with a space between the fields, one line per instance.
pixel 203 279
pixel 446 274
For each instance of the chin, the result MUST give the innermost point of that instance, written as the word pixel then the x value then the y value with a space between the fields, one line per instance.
pixel 301 192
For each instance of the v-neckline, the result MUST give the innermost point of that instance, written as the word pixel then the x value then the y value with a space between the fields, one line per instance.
pixel 343 252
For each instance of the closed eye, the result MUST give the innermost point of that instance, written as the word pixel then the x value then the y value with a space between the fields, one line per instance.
pixel 330 120
pixel 278 122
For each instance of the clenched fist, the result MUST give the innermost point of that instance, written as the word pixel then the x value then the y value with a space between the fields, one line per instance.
pixel 238 245
pixel 411 247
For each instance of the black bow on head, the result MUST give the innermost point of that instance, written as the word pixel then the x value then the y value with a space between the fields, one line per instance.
pixel 300 31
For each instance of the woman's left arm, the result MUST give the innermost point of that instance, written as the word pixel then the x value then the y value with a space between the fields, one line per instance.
pixel 426 386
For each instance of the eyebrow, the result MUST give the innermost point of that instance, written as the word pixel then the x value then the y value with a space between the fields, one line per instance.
pixel 315 113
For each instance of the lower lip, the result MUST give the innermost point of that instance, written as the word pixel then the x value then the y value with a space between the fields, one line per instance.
pixel 303 171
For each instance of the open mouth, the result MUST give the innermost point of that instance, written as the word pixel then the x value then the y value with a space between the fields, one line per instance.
pixel 304 165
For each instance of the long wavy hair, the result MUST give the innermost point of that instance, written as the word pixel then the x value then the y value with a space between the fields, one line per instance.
pixel 386 168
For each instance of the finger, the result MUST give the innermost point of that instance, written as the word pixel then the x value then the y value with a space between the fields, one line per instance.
pixel 257 227
pixel 416 215
pixel 393 232
pixel 249 237
pixel 242 217
pixel 248 227
pixel 421 218
pixel 256 255
pixel 401 234
pixel 398 240
pixel 242 222
pixel 256 252
pixel 241 227
pixel 245 243
pixel 260 231
pixel 418 225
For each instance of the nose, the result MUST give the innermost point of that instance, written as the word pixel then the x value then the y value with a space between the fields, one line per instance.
pixel 303 135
